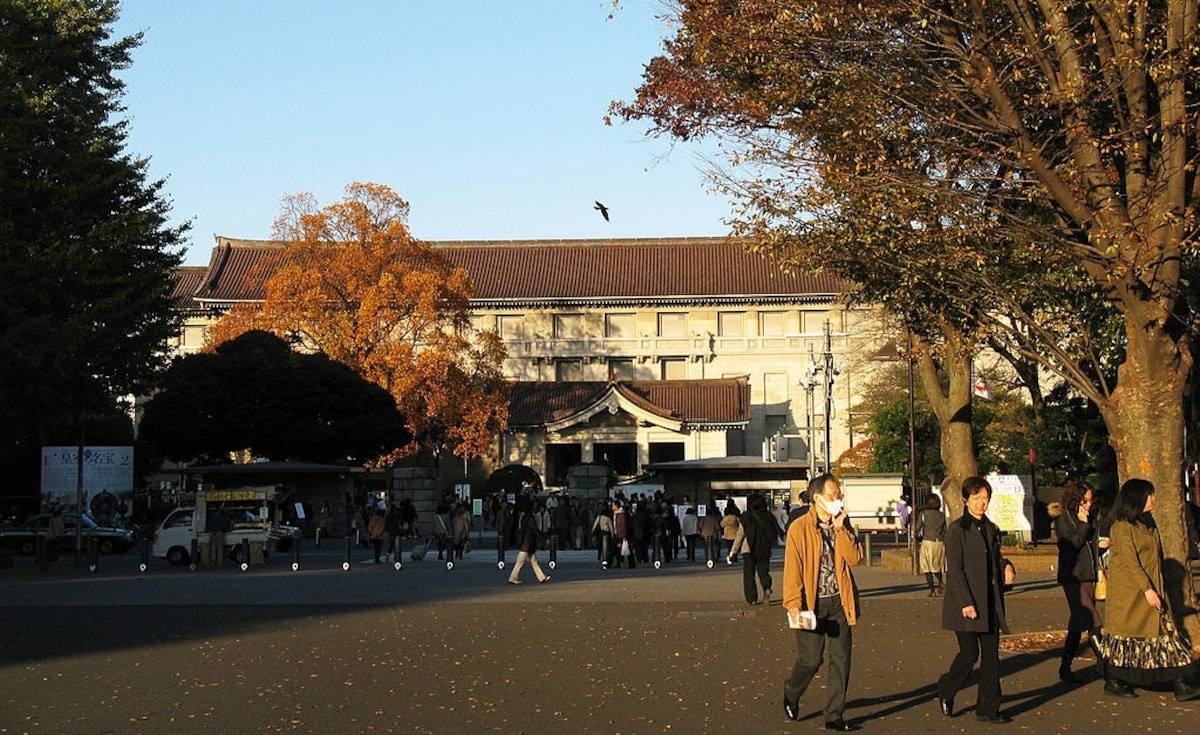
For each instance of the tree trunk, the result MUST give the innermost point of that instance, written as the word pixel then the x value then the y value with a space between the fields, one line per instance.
pixel 952 406
pixel 1145 421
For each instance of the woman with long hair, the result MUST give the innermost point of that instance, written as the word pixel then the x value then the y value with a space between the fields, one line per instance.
pixel 1140 644
pixel 1078 560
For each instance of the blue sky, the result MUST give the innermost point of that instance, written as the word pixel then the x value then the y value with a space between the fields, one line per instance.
pixel 487 116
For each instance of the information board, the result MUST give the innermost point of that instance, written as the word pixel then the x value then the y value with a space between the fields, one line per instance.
pixel 104 468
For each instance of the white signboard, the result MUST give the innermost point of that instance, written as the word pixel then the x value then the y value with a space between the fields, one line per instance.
pixel 1012 502
pixel 104 468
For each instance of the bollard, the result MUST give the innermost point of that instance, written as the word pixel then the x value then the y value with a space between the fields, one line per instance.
pixel 295 554
pixel 605 541
pixel 499 550
pixel 867 548
pixel 42 553
pixel 318 537
pixel 656 554
pixel 554 551
pixel 145 563
pixel 397 553
pixel 712 547
pixel 93 554
pixel 194 559
pixel 346 554
pixel 245 554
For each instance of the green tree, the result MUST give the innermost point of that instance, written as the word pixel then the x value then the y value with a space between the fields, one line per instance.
pixel 255 394
pixel 85 291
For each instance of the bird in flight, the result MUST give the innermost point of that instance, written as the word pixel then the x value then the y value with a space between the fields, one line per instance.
pixel 603 210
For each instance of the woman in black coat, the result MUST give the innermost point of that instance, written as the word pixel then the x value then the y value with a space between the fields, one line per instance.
pixel 976 577
pixel 1078 559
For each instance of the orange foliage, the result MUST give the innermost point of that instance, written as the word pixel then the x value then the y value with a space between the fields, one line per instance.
pixel 353 283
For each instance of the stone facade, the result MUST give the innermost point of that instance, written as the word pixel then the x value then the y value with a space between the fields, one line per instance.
pixel 693 310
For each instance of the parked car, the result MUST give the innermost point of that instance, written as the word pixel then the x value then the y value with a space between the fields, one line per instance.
pixel 109 540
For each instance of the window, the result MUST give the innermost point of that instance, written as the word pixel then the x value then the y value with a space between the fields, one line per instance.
pixel 620 368
pixel 731 323
pixel 482 323
pixel 568 326
pixel 674 368
pixel 511 326
pixel 672 324
pixel 666 452
pixel 620 326
pixel 772 323
pixel 620 458
pixel 568 369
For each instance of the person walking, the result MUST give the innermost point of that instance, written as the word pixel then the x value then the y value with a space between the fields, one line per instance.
pixel 821 548
pixel 531 537
pixel 376 528
pixel 1078 560
pixel 461 526
pixel 710 532
pixel 690 528
pixel 730 525
pixel 756 538
pixel 602 531
pixel 973 606
pixel 930 528
pixel 1140 644
pixel 56 531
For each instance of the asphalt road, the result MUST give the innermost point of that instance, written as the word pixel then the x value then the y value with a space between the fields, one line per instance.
pixel 427 649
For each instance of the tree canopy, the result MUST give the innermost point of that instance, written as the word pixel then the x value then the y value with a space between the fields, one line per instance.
pixel 85 292
pixel 1027 168
pixel 352 282
pixel 254 393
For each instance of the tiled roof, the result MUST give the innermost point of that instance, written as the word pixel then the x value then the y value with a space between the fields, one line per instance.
pixel 720 401
pixel 187 279
pixel 675 268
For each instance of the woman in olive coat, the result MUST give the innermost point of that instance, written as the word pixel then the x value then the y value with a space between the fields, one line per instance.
pixel 1136 599
pixel 973 607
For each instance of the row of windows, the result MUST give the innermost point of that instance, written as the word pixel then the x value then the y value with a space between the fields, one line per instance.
pixel 624 325
pixel 621 368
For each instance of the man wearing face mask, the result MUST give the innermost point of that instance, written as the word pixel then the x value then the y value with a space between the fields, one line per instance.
pixel 821 599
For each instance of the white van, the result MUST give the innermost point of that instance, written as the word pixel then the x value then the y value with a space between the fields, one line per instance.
pixel 174 536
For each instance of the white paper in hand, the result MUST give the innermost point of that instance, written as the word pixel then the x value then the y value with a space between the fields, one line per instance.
pixel 802 619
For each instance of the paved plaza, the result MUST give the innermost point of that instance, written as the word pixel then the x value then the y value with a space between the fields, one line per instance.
pixel 425 649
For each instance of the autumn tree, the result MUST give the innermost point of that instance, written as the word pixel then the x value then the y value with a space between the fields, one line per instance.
pixel 85 291
pixel 351 282
pixel 1046 139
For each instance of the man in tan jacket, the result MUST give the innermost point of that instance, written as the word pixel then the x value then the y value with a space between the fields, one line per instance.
pixel 821 599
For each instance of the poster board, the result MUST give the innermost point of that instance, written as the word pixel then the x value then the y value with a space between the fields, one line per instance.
pixel 1012 502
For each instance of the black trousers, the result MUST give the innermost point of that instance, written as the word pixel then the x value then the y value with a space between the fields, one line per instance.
pixel 972 646
pixel 810 650
pixel 750 566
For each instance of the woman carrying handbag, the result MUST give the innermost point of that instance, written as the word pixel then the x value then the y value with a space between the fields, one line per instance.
pixel 1141 644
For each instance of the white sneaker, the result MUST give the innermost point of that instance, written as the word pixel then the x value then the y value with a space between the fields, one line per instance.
pixel 514 581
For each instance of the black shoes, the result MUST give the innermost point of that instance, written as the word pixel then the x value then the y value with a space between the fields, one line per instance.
pixel 1065 675
pixel 996 719
pixel 1115 688
pixel 840 725
pixel 1185 691
pixel 947 706
pixel 791 709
